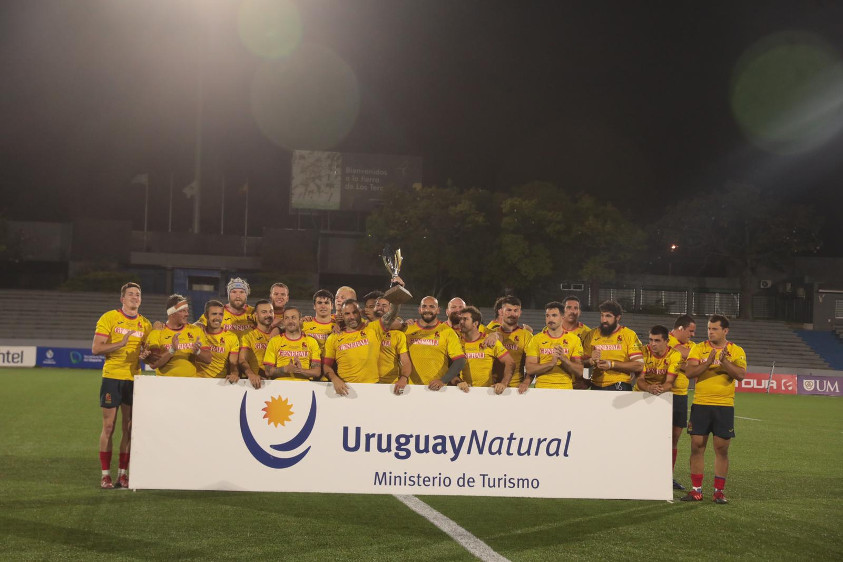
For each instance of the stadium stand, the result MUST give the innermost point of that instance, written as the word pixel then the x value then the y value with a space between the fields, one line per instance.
pixel 68 319
pixel 827 345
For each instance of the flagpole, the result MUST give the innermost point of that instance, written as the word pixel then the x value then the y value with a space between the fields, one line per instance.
pixel 145 213
pixel 170 217
pixel 246 219
pixel 222 206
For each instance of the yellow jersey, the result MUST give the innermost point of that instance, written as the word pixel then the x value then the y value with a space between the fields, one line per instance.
pixel 581 331
pixel 183 362
pixel 430 349
pixel 515 342
pixel 122 364
pixel 224 346
pixel 479 359
pixel 658 367
pixel 356 354
pixel 714 386
pixel 541 346
pixel 240 323
pixel 256 340
pixel 620 346
pixel 281 350
pixel 389 365
pixel 318 331
pixel 680 385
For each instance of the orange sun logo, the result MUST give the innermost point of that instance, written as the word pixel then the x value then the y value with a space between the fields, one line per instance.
pixel 278 411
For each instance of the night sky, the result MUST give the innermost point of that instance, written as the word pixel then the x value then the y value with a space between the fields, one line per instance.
pixel 633 101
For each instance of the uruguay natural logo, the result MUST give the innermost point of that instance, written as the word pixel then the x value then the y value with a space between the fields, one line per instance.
pixel 278 412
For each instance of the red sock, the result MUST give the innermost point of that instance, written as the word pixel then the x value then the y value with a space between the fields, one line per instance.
pixel 696 480
pixel 124 461
pixel 719 483
pixel 105 460
pixel 674 458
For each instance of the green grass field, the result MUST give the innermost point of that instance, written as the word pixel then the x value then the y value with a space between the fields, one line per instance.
pixel 785 487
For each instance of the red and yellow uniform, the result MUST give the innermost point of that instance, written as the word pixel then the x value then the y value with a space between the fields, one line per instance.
pixel 541 347
pixel 281 350
pixel 356 353
pixel 430 349
pixel 389 365
pixel 581 331
pixel 123 364
pixel 680 385
pixel 479 361
pixel 240 323
pixel 255 340
pixel 515 342
pixel 714 386
pixel 620 346
pixel 658 367
pixel 224 346
pixel 183 362
pixel 318 331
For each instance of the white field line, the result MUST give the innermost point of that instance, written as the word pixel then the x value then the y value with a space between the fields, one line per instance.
pixel 468 541
pixel 750 419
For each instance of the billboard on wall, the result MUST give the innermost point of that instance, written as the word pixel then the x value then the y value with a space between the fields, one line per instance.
pixel 339 181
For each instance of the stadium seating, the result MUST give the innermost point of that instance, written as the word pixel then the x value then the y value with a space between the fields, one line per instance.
pixel 68 319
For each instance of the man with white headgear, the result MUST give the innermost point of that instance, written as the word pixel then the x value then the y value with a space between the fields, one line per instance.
pixel 238 316
pixel 175 348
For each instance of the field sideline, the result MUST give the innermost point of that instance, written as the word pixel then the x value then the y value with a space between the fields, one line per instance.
pixel 785 485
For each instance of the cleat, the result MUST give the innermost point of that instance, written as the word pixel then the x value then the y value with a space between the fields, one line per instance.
pixel 719 498
pixel 692 496
pixel 122 481
pixel 677 485
pixel 106 483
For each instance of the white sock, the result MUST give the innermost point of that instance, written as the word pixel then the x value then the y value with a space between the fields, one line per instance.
pixel 121 471
pixel 106 473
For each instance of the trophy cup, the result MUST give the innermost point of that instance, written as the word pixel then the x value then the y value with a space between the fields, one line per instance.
pixel 392 261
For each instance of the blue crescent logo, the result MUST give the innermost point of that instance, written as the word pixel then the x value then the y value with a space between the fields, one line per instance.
pixel 268 459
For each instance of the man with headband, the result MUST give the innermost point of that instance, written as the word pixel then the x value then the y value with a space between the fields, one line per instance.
pixel 177 346
pixel 238 316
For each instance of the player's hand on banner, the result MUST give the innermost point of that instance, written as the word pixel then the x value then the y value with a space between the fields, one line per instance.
pixel 464 386
pixel 340 387
pixel 435 384
pixel 400 383
pixel 499 388
pixel 232 378
pixel 255 380
pixel 525 384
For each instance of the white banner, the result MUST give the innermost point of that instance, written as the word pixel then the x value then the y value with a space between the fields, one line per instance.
pixel 205 434
pixel 17 356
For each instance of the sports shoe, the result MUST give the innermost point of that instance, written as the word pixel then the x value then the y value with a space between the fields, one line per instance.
pixel 677 485
pixel 720 498
pixel 692 496
pixel 122 481
pixel 106 483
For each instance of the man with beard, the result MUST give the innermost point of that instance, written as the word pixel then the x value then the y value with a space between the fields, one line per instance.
pixel 177 346
pixel 356 350
pixel 253 343
pixel 480 357
pixel 119 336
pixel 716 364
pixel 292 355
pixel 514 337
pixel 279 295
pixel 612 351
pixel 224 346
pixel 554 355
pixel 435 350
pixel 394 365
pixel 680 340
pixel 238 316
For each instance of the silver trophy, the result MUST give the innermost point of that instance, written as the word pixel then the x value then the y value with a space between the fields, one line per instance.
pixel 392 262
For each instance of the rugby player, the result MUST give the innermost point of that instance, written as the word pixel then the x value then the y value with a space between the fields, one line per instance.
pixel 681 336
pixel 394 365
pixel 716 364
pixel 119 336
pixel 225 346
pixel 554 355
pixel 613 351
pixel 571 317
pixel 479 357
pixel 279 294
pixel 344 293
pixel 514 337
pixel 239 316
pixel 177 346
pixel 356 350
pixel 322 325
pixel 253 343
pixel 292 355
pixel 435 350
